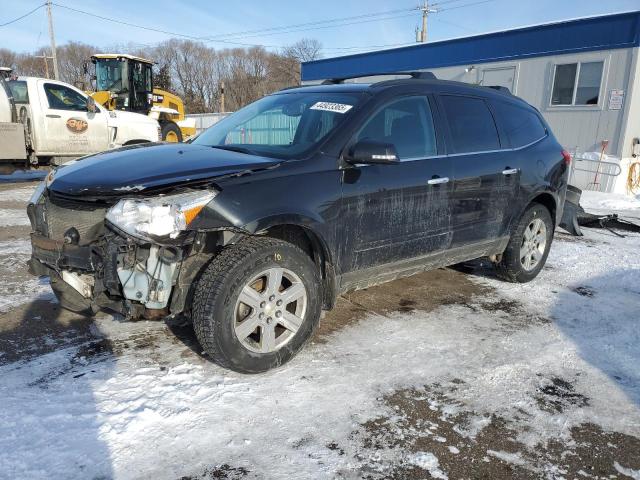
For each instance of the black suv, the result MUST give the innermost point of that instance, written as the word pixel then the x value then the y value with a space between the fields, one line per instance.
pixel 255 227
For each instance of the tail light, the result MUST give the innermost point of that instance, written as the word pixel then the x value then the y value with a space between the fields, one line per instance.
pixel 567 157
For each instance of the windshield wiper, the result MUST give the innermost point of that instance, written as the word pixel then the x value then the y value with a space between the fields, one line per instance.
pixel 233 148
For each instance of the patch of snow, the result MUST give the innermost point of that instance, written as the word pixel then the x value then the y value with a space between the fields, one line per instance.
pixel 508 457
pixel 429 462
pixel 634 474
pixel 453 449
pixel 11 217
pixel 22 194
pixel 597 202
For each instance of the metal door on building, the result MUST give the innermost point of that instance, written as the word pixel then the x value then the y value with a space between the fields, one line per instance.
pixel 500 77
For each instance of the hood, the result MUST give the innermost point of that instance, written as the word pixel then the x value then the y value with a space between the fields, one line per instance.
pixel 132 117
pixel 138 169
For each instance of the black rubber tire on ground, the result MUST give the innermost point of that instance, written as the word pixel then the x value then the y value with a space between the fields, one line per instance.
pixel 510 267
pixel 217 291
pixel 170 127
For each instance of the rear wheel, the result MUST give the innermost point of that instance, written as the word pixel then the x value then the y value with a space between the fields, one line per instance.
pixel 171 132
pixel 528 247
pixel 257 304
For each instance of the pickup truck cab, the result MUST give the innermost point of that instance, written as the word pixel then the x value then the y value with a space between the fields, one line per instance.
pixel 260 222
pixel 61 122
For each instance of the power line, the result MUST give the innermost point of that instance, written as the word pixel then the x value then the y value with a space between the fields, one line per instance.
pixel 466 5
pixel 23 16
pixel 232 42
pixel 322 26
pixel 319 22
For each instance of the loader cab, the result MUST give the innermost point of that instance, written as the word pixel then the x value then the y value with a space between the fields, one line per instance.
pixel 124 82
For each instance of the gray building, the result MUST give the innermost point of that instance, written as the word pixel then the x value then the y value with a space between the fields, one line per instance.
pixel 583 75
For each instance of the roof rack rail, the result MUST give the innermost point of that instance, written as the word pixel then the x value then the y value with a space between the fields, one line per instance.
pixel 500 88
pixel 416 75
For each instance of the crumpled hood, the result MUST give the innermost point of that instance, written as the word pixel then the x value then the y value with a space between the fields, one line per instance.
pixel 151 167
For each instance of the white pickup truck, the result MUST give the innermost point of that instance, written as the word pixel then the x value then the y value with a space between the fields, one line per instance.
pixel 44 121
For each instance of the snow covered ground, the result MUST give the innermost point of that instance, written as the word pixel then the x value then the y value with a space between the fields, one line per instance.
pixel 443 375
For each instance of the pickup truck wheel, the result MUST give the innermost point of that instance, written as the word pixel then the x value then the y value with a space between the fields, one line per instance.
pixel 528 247
pixel 171 132
pixel 256 304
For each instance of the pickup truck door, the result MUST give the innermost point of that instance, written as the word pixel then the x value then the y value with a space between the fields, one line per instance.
pixel 396 213
pixel 69 129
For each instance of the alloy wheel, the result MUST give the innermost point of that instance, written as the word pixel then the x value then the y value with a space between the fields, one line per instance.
pixel 534 243
pixel 270 310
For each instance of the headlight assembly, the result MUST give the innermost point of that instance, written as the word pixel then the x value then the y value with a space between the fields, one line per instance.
pixel 158 217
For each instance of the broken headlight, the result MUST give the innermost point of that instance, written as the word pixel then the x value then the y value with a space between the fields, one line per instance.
pixel 158 217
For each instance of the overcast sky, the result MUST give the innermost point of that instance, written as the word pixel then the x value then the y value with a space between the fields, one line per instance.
pixel 201 18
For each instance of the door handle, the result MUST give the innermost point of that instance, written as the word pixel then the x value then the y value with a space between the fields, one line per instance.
pixel 438 180
pixel 510 171
pixel 53 116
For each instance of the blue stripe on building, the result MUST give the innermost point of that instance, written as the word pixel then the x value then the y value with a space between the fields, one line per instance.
pixel 589 34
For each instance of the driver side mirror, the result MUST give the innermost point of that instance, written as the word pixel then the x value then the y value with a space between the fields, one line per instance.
pixel 91 105
pixel 372 152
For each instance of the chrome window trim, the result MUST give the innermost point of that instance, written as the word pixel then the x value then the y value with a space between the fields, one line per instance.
pixel 451 155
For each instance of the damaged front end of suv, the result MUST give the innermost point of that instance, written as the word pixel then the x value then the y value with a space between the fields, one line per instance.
pixel 130 249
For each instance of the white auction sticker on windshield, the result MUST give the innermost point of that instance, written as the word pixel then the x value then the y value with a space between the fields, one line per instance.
pixel 332 107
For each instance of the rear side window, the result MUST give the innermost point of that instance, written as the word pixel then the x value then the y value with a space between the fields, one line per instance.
pixel 471 124
pixel 522 126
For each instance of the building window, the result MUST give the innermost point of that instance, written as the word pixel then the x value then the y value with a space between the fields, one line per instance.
pixel 577 83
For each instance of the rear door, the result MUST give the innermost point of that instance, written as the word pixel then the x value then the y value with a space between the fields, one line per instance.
pixel 69 129
pixel 400 211
pixel 486 180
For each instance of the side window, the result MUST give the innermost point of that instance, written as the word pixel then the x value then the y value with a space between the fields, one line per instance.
pixel 522 126
pixel 471 124
pixel 19 91
pixel 64 98
pixel 407 124
pixel 577 83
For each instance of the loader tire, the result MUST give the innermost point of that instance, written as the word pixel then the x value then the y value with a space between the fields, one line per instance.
pixel 171 132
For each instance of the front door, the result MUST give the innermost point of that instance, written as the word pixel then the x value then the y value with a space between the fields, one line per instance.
pixel 69 129
pixel 486 179
pixel 399 211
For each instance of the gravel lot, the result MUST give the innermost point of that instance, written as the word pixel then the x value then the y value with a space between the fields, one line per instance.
pixel 448 374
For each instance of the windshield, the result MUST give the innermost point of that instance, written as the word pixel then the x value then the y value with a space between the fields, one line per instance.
pixel 283 126
pixel 111 75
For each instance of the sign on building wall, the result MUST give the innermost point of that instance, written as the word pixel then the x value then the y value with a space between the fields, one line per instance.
pixel 616 99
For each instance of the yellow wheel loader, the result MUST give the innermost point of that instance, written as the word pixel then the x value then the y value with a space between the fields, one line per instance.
pixel 125 82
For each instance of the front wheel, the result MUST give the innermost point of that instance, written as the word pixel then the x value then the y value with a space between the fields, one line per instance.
pixel 256 304
pixel 528 247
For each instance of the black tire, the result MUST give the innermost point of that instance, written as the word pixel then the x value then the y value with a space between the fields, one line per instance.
pixel 219 287
pixel 170 127
pixel 510 267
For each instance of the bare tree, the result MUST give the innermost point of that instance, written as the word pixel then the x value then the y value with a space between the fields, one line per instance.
pixel 304 50
pixel 192 70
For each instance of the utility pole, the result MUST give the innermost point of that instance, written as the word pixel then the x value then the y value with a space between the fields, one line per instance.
pixel 52 37
pixel 46 64
pixel 426 10
pixel 222 110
